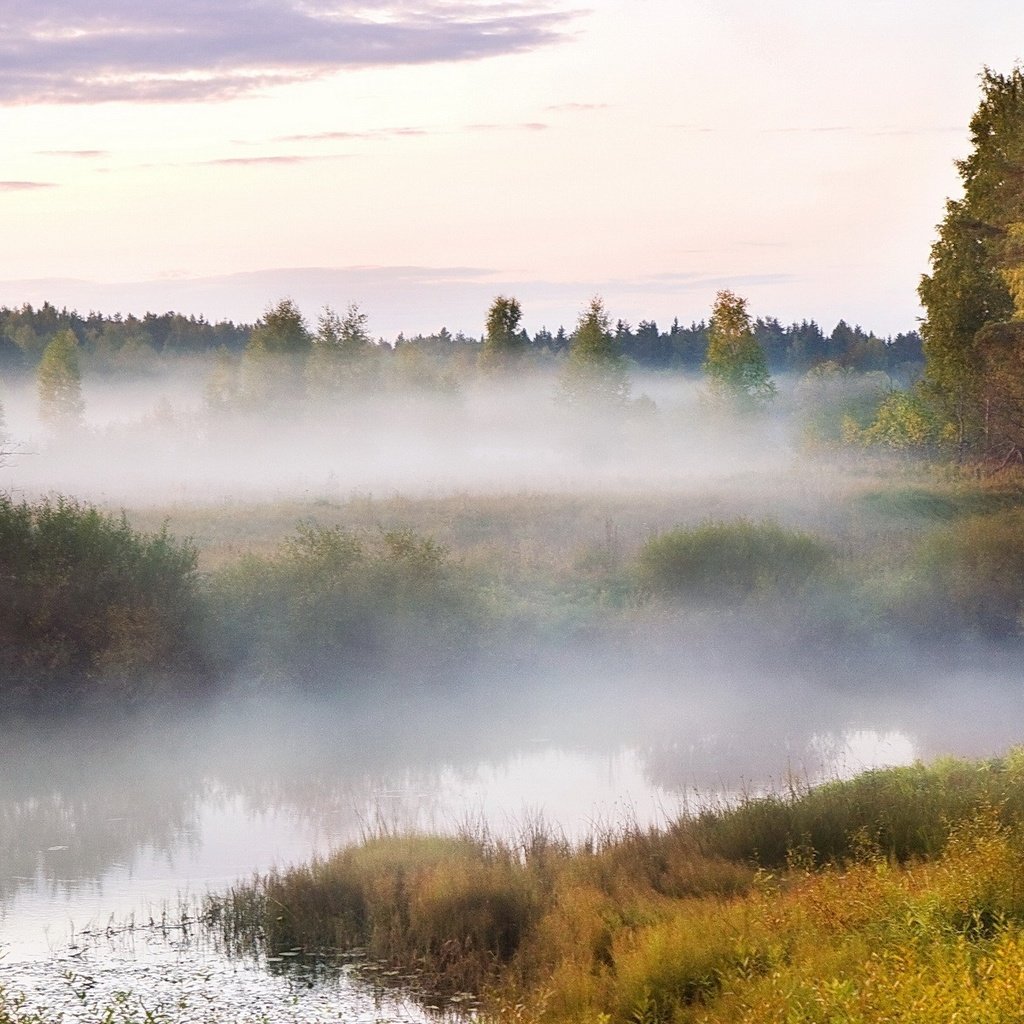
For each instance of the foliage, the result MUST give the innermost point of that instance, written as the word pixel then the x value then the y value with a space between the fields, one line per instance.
pixel 59 384
pixel 735 364
pixel 330 601
pixel 341 357
pixel 970 576
pixel 273 370
pixel 730 561
pixel 975 261
pixel 595 372
pixel 90 607
pixel 832 401
pixel 905 423
pixel 504 343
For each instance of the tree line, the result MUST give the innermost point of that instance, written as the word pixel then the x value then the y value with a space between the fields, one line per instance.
pixel 137 345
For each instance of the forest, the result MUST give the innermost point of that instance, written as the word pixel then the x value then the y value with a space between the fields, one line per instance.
pixel 287 507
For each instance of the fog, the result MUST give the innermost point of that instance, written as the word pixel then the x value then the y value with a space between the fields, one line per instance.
pixel 156 441
pixel 555 691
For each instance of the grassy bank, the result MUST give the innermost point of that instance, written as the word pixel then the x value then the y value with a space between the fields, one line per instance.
pixel 898 895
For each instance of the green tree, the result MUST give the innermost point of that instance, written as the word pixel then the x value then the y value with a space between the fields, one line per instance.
pixel 220 391
pixel 977 263
pixel 59 383
pixel 503 341
pixel 275 357
pixel 734 363
pixel 342 353
pixel 595 371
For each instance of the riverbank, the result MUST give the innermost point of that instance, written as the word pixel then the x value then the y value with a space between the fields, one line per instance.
pixel 896 894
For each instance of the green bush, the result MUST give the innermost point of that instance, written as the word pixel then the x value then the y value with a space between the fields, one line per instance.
pixel 900 812
pixel 87 604
pixel 330 599
pixel 969 577
pixel 730 561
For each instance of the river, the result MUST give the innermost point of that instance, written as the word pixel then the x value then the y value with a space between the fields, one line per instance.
pixel 108 824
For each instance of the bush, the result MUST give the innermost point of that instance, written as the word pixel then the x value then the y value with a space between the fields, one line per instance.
pixel 730 561
pixel 87 604
pixel 970 577
pixel 331 600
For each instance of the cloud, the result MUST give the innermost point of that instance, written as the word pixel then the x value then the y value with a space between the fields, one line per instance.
pixel 526 126
pixel 25 186
pixel 378 134
pixel 577 108
pixel 358 136
pixel 245 161
pixel 91 51
pixel 84 154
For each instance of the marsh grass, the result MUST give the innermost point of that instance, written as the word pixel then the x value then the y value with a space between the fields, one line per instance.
pixel 818 898
pixel 731 561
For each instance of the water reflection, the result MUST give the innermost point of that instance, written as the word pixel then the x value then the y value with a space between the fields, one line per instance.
pixel 115 817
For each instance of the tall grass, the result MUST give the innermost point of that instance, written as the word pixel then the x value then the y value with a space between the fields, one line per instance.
pixel 648 926
pixel 720 561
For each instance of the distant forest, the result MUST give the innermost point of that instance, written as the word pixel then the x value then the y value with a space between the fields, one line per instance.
pixel 137 345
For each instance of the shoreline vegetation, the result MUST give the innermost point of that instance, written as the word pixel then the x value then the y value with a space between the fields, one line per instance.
pixel 895 895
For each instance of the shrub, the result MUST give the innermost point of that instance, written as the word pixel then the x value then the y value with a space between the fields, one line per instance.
pixel 970 577
pixel 330 599
pixel 730 561
pixel 88 604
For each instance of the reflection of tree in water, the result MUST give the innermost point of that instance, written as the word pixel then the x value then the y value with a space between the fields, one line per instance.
pixel 79 798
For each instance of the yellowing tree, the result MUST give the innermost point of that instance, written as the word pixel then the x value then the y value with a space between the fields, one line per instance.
pixel 59 384
pixel 735 364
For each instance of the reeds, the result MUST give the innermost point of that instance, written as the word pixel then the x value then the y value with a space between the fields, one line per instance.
pixel 698 921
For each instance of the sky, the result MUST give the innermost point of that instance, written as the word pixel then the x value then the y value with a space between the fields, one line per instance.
pixel 419 157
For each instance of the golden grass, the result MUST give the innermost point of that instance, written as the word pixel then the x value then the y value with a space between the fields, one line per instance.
pixel 850 922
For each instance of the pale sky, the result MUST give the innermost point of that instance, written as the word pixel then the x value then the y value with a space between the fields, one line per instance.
pixel 419 157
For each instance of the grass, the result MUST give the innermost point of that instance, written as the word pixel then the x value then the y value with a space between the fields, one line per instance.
pixel 729 562
pixel 846 902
